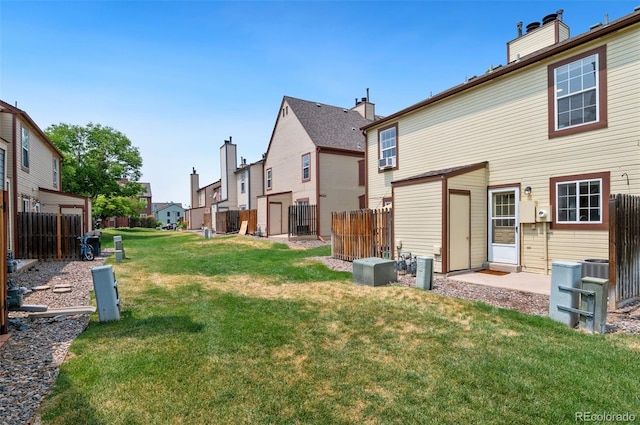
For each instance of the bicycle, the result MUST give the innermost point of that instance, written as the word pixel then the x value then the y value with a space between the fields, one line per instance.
pixel 86 250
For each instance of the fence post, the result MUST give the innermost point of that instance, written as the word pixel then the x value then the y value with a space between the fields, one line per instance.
pixel 613 264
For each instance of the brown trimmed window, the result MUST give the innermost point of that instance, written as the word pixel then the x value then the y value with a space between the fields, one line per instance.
pixel 580 201
pixel 388 147
pixel 269 180
pixel 578 93
pixel 306 167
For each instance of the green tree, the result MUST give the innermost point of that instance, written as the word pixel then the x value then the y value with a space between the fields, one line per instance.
pixel 97 159
pixel 116 206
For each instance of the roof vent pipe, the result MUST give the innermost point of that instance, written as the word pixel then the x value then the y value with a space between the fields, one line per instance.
pixel 367 94
pixel 559 13
pixel 520 29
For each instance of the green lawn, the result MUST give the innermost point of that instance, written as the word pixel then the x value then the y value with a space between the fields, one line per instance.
pixel 235 330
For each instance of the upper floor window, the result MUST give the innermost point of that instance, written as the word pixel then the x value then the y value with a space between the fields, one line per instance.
pixel 578 93
pixel 269 180
pixel 168 213
pixel 388 147
pixel 580 200
pixel 306 167
pixel 25 147
pixel 242 187
pixel 55 172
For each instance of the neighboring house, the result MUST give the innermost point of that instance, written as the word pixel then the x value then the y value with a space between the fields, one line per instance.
pixel 168 212
pixel 238 189
pixel 198 215
pixel 315 157
pixel 250 184
pixel 513 169
pixel 146 197
pixel 30 168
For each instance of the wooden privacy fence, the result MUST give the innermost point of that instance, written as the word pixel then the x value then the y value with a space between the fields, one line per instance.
pixel 46 236
pixel 230 221
pixel 361 234
pixel 624 247
pixel 303 220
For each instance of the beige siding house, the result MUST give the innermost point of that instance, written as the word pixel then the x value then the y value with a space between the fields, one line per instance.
pixel 30 172
pixel 249 182
pixel 198 215
pixel 312 159
pixel 513 169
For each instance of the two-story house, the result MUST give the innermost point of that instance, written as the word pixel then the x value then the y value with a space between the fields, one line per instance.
pixel 30 173
pixel 315 157
pixel 198 215
pixel 250 183
pixel 513 169
pixel 168 212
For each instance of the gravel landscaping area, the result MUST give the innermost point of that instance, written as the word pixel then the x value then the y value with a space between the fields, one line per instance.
pixel 30 360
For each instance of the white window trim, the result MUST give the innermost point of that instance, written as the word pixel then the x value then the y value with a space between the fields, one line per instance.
pixel 577 196
pixel 595 88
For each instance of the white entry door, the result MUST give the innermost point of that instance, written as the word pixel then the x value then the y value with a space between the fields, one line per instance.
pixel 504 238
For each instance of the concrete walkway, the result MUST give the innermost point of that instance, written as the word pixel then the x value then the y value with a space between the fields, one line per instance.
pixel 527 282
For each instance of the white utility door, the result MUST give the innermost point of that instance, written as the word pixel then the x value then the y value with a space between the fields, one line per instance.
pixel 504 238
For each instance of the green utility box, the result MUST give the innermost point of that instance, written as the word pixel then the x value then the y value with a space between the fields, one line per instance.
pixel 597 304
pixel 14 298
pixel 374 271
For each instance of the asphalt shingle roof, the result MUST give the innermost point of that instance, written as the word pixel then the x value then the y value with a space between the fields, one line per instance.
pixel 330 126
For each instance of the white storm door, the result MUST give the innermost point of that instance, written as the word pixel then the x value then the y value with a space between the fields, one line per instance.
pixel 504 240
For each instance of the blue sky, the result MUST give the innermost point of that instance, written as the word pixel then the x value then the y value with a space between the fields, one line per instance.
pixel 180 77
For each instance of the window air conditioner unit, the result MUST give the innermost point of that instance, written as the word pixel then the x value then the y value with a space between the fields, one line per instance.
pixel 387 162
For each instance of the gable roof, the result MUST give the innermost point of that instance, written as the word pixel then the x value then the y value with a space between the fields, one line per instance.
pixel 329 126
pixel 531 59
pixel 159 206
pixel 5 107
pixel 147 189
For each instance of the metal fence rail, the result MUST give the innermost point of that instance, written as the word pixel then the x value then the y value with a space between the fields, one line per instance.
pixel 303 220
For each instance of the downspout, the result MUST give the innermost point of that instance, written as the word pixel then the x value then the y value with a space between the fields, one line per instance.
pixel 249 186
pixel 14 214
pixel 318 193
pixel 366 171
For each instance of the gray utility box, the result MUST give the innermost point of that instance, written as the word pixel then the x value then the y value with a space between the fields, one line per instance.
pixel 105 287
pixel 424 273
pixel 565 274
pixel 600 288
pixel 117 245
pixel 374 271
